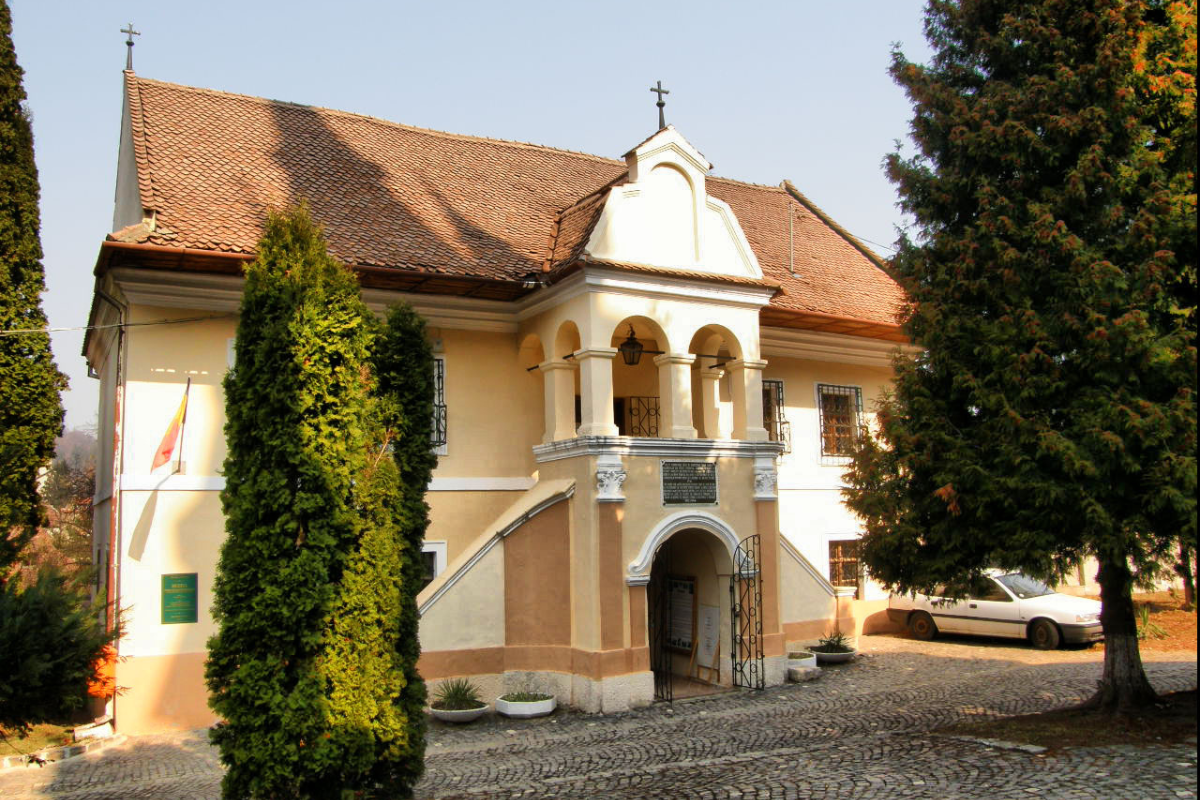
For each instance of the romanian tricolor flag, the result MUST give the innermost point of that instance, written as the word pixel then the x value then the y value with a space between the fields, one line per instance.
pixel 171 437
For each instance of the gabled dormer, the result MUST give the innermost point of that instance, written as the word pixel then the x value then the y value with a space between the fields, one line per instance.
pixel 662 216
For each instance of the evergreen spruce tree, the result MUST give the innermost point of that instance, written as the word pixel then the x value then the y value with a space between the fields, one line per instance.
pixel 30 408
pixel 1051 415
pixel 308 669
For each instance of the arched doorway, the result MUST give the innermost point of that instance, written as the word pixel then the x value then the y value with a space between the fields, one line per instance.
pixel 690 614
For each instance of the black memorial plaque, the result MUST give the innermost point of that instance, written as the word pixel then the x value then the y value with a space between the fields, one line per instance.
pixel 689 483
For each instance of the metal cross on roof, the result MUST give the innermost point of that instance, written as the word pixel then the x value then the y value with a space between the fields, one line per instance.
pixel 662 120
pixel 129 44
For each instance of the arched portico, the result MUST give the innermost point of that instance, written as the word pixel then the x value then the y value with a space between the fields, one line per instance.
pixel 689 615
pixel 639 568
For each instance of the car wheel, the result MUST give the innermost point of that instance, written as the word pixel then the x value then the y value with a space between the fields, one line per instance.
pixel 1044 635
pixel 922 626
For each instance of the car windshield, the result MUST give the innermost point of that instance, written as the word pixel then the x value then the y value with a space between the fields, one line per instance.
pixel 1024 586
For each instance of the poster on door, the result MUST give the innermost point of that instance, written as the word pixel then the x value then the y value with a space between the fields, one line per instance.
pixel 682 632
pixel 709 630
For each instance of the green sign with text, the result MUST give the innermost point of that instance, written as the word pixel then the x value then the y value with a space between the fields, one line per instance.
pixel 178 598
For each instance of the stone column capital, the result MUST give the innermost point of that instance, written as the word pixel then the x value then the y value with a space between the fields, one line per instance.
pixel 550 366
pixel 584 354
pixel 741 363
pixel 712 374
pixel 682 359
pixel 610 477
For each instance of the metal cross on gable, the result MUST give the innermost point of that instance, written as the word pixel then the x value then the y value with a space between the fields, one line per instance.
pixel 128 29
pixel 662 120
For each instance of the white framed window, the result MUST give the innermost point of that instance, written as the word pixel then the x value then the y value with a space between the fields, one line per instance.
pixel 841 415
pixel 433 555
pixel 439 438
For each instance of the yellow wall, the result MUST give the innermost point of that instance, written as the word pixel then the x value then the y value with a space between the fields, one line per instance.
pixel 494 406
pixel 458 517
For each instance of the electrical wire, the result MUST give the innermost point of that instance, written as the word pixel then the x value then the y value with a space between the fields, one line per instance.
pixel 18 331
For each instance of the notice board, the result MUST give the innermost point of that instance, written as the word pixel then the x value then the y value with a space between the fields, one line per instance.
pixel 709 630
pixel 178 598
pixel 682 632
pixel 689 483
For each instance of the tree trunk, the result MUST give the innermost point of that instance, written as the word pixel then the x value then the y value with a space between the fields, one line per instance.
pixel 1124 685
pixel 1185 570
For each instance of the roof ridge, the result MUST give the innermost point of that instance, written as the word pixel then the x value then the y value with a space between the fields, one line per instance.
pixel 751 184
pixel 383 121
pixel 439 133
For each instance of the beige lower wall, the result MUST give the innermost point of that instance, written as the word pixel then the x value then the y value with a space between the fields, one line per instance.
pixel 162 693
pixel 537 589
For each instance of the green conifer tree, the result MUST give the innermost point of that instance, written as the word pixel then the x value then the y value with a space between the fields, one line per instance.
pixel 31 411
pixel 403 364
pixel 308 669
pixel 1052 414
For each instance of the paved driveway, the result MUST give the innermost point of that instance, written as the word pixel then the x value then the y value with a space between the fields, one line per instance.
pixel 860 731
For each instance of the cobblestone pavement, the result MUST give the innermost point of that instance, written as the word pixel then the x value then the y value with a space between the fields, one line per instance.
pixel 860 731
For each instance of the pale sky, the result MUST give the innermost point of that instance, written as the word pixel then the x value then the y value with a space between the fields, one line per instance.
pixel 765 90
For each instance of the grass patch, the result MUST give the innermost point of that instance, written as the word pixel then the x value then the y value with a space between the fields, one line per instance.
pixel 41 737
pixel 1171 721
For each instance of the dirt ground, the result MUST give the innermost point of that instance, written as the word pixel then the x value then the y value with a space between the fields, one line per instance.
pixel 1166 611
pixel 1171 720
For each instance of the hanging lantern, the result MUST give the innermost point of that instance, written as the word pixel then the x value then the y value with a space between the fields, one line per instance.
pixel 631 349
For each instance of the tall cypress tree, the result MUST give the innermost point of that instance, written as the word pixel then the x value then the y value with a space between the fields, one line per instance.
pixel 1051 414
pixel 308 669
pixel 403 364
pixel 31 411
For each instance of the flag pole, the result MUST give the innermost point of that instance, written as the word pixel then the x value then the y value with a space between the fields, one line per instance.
pixel 183 426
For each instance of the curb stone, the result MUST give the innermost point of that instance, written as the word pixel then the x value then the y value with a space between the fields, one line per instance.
pixel 60 753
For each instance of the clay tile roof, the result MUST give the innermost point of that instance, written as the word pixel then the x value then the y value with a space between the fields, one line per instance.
pixel 210 164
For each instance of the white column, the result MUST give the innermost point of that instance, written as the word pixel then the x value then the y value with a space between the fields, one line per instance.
pixel 675 391
pixel 596 391
pixel 746 389
pixel 558 383
pixel 710 401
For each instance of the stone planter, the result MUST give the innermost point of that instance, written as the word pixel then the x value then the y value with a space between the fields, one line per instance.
pixel 835 658
pixel 458 716
pixel 801 658
pixel 519 710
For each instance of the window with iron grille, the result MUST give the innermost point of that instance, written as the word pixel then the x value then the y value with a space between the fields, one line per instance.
pixel 644 416
pixel 844 568
pixel 438 435
pixel 841 415
pixel 774 417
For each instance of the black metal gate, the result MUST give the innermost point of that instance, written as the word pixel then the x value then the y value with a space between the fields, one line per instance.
pixel 659 594
pixel 745 598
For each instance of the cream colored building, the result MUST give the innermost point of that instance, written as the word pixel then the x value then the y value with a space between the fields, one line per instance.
pixel 605 522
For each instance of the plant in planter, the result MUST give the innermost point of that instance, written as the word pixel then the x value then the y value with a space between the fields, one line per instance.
pixel 834 648
pixel 457 700
pixel 801 658
pixel 523 705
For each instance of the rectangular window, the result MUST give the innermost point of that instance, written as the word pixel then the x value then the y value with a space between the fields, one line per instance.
pixel 841 418
pixel 844 568
pixel 774 417
pixel 439 439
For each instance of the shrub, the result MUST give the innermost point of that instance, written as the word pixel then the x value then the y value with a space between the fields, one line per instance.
pixel 50 638
pixel 457 694
pixel 835 642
